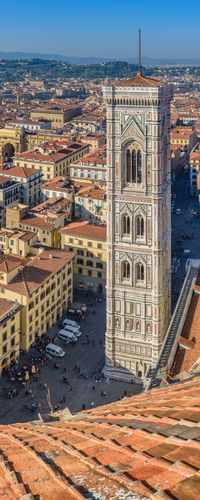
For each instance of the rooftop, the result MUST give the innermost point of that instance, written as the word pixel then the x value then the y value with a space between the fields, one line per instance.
pixel 188 352
pixel 9 262
pixel 143 447
pixel 6 307
pixel 140 81
pixel 84 229
pixel 38 271
pixel 17 171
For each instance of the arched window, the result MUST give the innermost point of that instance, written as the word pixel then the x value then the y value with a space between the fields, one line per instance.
pixel 128 166
pixel 126 270
pixel 139 272
pixel 139 226
pixel 139 167
pixel 126 229
pixel 134 164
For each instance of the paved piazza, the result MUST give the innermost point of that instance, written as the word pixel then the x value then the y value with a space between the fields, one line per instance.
pixel 82 388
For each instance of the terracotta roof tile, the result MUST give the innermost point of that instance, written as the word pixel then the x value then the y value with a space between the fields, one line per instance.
pixel 84 229
pixel 140 81
pixel 128 449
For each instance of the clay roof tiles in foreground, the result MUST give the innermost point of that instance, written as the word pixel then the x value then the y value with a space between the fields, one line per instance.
pixel 146 446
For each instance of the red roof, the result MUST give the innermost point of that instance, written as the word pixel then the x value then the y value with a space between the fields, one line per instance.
pixel 19 172
pixel 140 81
pixel 143 447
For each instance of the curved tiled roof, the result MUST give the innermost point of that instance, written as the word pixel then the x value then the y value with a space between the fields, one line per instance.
pixel 146 446
pixel 140 81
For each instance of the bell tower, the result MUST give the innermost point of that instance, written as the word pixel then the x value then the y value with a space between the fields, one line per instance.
pixel 139 224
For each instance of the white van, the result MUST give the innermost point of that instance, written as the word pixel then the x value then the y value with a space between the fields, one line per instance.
pixel 74 330
pixel 55 350
pixel 71 323
pixel 67 336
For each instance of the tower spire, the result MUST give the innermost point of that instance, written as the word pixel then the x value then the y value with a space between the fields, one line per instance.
pixel 139 52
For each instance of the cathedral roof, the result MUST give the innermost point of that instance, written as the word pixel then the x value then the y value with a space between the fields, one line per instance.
pixel 140 81
pixel 143 447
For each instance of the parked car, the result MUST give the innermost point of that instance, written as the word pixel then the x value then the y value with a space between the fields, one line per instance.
pixel 55 350
pixel 71 323
pixel 67 336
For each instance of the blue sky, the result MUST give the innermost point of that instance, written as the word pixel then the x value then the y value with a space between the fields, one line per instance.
pixel 170 28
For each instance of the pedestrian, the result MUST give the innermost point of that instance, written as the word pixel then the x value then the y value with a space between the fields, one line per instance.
pixel 83 406
pixel 65 371
pixel 93 388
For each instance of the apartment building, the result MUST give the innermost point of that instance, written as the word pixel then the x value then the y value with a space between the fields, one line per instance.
pixel 194 170
pixel 30 125
pixel 91 167
pixel 16 242
pixel 91 204
pixel 88 242
pixel 184 137
pixel 43 286
pixel 9 193
pixel 30 181
pixel 95 141
pixel 45 220
pixel 89 123
pixel 58 117
pixel 59 186
pixel 51 163
pixel 9 331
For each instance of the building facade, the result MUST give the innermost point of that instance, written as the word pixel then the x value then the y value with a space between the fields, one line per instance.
pixel 88 242
pixel 9 332
pixel 43 286
pixel 30 184
pixel 51 164
pixel 138 225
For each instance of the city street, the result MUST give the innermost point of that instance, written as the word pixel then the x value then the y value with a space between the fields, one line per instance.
pixel 82 362
pixel 185 232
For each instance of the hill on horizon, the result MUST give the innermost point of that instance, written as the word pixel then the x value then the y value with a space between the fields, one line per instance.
pixel 150 61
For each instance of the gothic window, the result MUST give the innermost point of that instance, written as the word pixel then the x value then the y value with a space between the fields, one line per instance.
pixel 139 226
pixel 133 164
pixel 128 166
pixel 126 229
pixel 139 272
pixel 126 272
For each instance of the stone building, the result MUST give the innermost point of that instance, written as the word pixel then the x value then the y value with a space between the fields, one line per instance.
pixel 139 224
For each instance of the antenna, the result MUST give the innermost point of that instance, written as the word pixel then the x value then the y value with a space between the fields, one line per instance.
pixel 139 52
